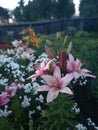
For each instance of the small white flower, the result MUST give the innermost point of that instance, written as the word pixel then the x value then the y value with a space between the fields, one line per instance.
pixel 5 112
pixel 76 108
pixel 26 102
pixel 38 108
pixel 81 127
pixel 30 113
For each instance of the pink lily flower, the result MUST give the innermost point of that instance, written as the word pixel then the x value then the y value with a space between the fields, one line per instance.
pixel 74 68
pixel 11 90
pixel 41 69
pixel 4 99
pixel 55 84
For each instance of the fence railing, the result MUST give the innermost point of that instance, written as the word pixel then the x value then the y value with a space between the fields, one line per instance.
pixel 53 26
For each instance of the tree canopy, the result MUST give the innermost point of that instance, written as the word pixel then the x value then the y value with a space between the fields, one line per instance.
pixel 4 14
pixel 89 8
pixel 44 9
pixel 19 11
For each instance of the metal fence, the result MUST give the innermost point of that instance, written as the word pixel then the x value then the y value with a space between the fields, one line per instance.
pixel 52 26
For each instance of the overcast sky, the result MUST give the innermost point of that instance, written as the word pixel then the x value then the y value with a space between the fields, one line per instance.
pixel 11 4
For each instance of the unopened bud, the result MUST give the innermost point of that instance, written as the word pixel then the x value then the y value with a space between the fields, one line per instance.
pixel 65 39
pixel 58 36
pixel 63 60
pixel 69 47
pixel 49 52
pixel 49 42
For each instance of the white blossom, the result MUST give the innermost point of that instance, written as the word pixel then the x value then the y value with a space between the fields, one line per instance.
pixel 30 113
pixel 25 102
pixel 38 108
pixel 5 112
pixel 81 127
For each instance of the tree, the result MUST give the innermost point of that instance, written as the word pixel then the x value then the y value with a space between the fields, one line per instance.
pixel 44 9
pixel 88 8
pixel 64 8
pixel 19 11
pixel 4 14
pixel 31 11
pixel 38 9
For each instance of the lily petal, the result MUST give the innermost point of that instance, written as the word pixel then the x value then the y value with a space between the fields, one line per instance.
pixel 52 94
pixel 66 80
pixel 76 75
pixel 57 72
pixel 48 79
pixel 89 75
pixel 4 99
pixel 43 88
pixel 66 90
pixel 32 76
pixel 51 61
pixel 71 58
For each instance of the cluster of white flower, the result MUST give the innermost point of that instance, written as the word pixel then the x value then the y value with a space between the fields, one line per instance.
pixel 92 124
pixel 28 88
pixel 26 102
pixel 30 67
pixel 41 58
pixel 3 81
pixel 25 54
pixel 30 113
pixel 83 81
pixel 8 62
pixel 35 85
pixel 76 108
pixel 40 98
pixel 81 127
pixel 38 108
pixel 5 112
pixel 4 58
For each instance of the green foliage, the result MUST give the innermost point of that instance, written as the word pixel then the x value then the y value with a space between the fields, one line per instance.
pixel 19 11
pixel 20 116
pixel 65 8
pixel 71 30
pixel 4 13
pixel 5 124
pixel 59 114
pixel 52 9
pixel 88 8
pixel 81 34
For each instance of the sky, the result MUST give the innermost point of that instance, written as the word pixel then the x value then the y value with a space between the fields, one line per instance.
pixel 11 4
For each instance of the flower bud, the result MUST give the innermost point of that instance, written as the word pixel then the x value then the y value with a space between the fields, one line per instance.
pixel 65 39
pixel 63 60
pixel 49 42
pixel 58 36
pixel 49 52
pixel 69 47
